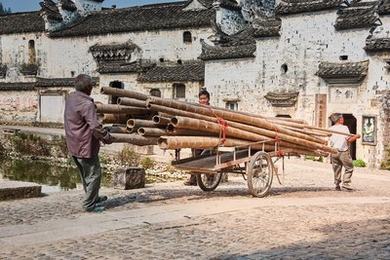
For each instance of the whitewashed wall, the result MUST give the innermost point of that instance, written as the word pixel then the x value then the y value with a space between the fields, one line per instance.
pixel 14 52
pixel 60 56
pixel 19 105
pixel 166 88
pixel 305 41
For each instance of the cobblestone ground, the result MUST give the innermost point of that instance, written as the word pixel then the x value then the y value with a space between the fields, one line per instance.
pixel 314 227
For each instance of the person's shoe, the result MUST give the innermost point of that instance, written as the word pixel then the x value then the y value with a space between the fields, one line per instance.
pixel 96 209
pixel 101 199
pixel 338 188
pixel 347 186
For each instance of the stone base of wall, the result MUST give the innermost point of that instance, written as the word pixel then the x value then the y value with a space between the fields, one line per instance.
pixel 10 190
pixel 129 178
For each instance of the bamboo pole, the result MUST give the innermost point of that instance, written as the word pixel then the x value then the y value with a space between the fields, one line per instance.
pixel 137 123
pixel 131 102
pixel 171 130
pixel 134 139
pixel 151 131
pixel 327 130
pixel 194 124
pixel 231 116
pixel 257 130
pixel 113 118
pixel 140 96
pixel 123 93
pixel 202 142
pixel 118 130
pixel 313 133
pixel 160 120
pixel 210 127
pixel 118 109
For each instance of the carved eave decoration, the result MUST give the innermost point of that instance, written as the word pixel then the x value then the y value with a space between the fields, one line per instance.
pixel 113 52
pixel 301 6
pixel 377 44
pixel 264 26
pixel 227 52
pixel 218 36
pixel 187 71
pixel 358 15
pixel 3 71
pixel 138 66
pixel 50 10
pixel 68 5
pixel 343 72
pixel 282 99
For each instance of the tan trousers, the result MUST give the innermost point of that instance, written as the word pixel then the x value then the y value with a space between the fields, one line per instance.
pixel 338 161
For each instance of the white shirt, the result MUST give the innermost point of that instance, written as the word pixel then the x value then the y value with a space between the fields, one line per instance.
pixel 339 141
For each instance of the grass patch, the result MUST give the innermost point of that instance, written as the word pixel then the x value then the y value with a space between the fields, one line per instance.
pixel 359 163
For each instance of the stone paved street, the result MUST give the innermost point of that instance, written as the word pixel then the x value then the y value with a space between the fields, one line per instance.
pixel 305 218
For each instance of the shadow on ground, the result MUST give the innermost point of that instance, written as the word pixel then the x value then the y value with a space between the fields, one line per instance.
pixel 195 193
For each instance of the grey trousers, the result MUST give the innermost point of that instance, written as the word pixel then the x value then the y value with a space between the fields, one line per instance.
pixel 90 174
pixel 338 161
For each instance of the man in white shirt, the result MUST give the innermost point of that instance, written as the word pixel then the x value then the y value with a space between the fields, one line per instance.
pixel 343 157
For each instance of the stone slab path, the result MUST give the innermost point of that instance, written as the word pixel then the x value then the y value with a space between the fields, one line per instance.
pixel 305 218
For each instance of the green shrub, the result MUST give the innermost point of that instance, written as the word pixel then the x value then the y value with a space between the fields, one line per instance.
pixel 30 145
pixel 147 163
pixel 104 158
pixel 128 157
pixel 385 164
pixel 314 158
pixel 359 163
pixel 62 147
pixel 2 151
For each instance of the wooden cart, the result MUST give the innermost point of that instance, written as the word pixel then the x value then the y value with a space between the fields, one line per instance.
pixel 256 166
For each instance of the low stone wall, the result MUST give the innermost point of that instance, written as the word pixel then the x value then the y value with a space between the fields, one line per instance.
pixel 10 190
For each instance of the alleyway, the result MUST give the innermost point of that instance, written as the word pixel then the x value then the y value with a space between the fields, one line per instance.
pixel 305 218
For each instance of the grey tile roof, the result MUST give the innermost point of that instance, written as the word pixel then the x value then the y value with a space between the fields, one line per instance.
pixel 377 44
pixel 122 67
pixel 243 43
pixel 188 71
pixel 114 47
pixel 5 86
pixel 301 6
pixel 384 7
pixel 282 99
pixel 343 69
pixel 113 52
pixel 40 83
pixel 21 23
pixel 266 27
pixel 229 4
pixel 58 82
pixel 358 15
pixel 229 52
pixel 140 18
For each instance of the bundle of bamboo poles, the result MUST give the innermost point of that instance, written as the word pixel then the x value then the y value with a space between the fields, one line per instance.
pixel 146 120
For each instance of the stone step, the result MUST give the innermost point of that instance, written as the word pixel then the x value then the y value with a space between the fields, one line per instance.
pixel 10 190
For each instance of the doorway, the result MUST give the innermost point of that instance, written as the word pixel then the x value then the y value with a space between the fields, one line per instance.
pixel 115 84
pixel 350 121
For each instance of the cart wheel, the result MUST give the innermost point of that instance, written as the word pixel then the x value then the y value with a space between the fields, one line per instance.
pixel 208 182
pixel 259 174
